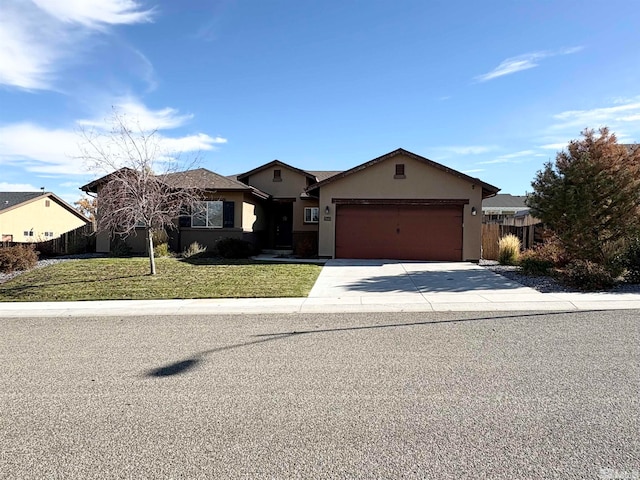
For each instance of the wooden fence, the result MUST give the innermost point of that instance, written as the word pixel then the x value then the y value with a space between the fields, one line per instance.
pixel 80 240
pixel 529 235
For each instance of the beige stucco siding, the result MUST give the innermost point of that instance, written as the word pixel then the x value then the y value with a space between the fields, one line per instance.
pixel 38 218
pixel 421 182
pixel 292 185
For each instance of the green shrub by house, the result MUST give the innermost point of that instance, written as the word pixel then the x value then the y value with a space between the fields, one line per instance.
pixel 161 250
pixel 234 248
pixel 534 264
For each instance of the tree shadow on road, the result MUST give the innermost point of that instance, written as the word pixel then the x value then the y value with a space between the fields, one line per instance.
pixel 185 365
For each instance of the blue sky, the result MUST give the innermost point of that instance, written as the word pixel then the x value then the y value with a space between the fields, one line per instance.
pixel 493 89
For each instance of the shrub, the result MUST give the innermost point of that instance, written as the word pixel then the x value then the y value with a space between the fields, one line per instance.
pixel 552 251
pixel 20 257
pixel 161 250
pixel 534 264
pixel 194 249
pixel 509 250
pixel 119 248
pixel 588 275
pixel 234 248
pixel 630 260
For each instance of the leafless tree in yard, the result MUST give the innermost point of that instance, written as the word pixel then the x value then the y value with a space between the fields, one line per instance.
pixel 138 191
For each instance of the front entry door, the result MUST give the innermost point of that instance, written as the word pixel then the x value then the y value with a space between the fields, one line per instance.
pixel 284 224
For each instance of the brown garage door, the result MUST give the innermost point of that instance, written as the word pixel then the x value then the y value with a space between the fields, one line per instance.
pixel 404 232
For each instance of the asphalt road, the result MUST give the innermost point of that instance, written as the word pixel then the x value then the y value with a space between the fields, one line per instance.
pixel 437 395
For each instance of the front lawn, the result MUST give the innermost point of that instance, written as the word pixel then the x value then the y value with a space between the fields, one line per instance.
pixel 128 279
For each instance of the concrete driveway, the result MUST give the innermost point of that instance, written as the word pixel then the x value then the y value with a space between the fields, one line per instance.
pixel 393 281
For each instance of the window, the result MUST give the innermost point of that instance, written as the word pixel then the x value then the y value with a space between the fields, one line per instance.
pixel 47 203
pixel 399 171
pixel 48 234
pixel 28 234
pixel 311 214
pixel 277 175
pixel 213 214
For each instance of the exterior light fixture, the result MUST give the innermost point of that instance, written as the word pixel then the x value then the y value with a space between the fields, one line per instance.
pixel 474 211
pixel 327 211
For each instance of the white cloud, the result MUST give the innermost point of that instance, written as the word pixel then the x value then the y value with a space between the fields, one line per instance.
pixel 596 117
pixel 17 187
pixel 190 143
pixel 92 13
pixel 522 62
pixel 39 149
pixel 467 149
pixel 475 170
pixel 132 110
pixel 510 157
pixel 553 146
pixel 39 36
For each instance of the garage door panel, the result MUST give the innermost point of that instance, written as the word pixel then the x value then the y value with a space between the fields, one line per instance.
pixel 404 232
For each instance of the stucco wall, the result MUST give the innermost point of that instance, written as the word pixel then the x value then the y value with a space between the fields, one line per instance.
pixel 204 236
pixel 37 217
pixel 421 182
pixel 292 185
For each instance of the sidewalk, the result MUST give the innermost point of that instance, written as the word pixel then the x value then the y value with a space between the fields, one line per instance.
pixel 347 286
pixel 456 302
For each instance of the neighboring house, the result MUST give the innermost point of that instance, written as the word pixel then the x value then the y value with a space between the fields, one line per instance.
pixel 504 207
pixel 512 214
pixel 397 206
pixel 29 217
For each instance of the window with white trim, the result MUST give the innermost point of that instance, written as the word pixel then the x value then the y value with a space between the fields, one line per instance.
pixel 311 214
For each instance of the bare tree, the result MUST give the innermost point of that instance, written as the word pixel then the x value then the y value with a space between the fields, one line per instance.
pixel 138 191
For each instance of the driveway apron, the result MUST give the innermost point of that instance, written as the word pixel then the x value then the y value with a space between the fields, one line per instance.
pixel 393 281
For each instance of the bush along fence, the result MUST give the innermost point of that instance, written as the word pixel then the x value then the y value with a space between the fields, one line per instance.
pixel 529 236
pixel 80 240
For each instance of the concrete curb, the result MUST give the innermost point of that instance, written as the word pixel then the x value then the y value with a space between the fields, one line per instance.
pixel 452 302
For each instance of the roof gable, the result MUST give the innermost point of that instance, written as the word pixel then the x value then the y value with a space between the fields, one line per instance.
pixel 506 200
pixel 203 179
pixel 12 199
pixel 200 178
pixel 276 163
pixel 487 189
pixel 28 197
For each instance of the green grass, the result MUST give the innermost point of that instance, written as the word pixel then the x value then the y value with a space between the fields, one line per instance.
pixel 128 278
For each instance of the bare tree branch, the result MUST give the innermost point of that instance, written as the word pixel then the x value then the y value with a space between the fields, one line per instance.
pixel 137 192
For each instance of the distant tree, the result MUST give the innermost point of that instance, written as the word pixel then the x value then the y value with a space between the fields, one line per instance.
pixel 88 207
pixel 134 194
pixel 590 197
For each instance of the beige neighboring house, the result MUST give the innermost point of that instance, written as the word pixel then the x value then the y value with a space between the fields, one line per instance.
pixel 396 206
pixel 29 217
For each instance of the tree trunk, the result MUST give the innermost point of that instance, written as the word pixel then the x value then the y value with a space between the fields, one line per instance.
pixel 152 260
